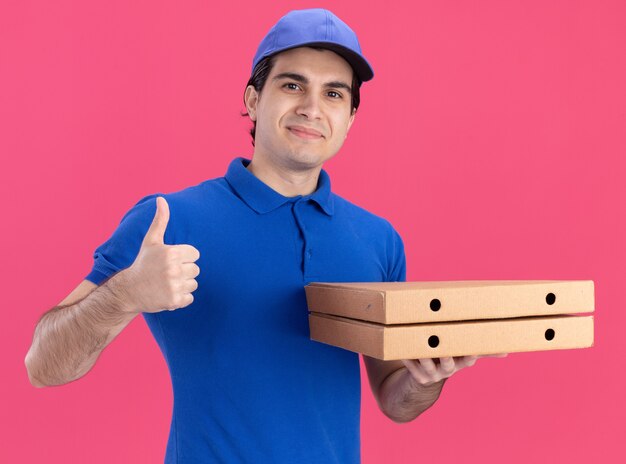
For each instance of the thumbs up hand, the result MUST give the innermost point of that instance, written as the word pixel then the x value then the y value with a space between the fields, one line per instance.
pixel 162 277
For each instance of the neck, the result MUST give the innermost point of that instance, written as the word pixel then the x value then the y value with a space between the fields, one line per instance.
pixel 287 182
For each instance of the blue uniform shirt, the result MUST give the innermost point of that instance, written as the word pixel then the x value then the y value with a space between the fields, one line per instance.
pixel 249 384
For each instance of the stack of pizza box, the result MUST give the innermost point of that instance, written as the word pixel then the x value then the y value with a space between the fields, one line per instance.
pixel 411 320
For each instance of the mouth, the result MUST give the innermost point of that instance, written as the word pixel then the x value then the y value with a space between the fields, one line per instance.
pixel 304 132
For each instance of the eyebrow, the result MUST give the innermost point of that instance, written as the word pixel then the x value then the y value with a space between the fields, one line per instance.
pixel 302 79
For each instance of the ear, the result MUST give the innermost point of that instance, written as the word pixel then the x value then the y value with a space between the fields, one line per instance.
pixel 350 121
pixel 251 97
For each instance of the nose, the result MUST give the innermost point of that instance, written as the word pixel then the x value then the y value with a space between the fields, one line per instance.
pixel 309 106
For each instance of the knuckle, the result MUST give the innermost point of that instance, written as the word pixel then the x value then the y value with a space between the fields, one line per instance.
pixel 173 272
pixel 178 300
pixel 449 366
pixel 171 293
pixel 185 299
pixel 170 304
pixel 173 253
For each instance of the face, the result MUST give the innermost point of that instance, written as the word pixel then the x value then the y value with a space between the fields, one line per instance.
pixel 303 112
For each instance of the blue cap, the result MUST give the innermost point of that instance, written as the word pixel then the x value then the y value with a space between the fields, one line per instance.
pixel 315 27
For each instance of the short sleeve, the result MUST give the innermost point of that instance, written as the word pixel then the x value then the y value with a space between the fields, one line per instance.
pixel 397 264
pixel 121 249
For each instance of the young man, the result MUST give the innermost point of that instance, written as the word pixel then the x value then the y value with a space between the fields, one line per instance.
pixel 220 281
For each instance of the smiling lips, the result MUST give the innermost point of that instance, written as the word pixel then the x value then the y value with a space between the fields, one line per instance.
pixel 305 132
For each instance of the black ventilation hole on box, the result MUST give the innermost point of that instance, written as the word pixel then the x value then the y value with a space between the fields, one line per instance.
pixel 549 334
pixel 435 305
pixel 550 298
pixel 433 341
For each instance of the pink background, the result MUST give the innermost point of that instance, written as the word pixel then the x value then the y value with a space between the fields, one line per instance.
pixel 492 137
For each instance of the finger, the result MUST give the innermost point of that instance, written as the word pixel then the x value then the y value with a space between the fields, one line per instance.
pixel 188 253
pixel 448 366
pixel 416 371
pixel 190 285
pixel 429 366
pixel 190 270
pixel 187 300
pixel 468 361
pixel 156 231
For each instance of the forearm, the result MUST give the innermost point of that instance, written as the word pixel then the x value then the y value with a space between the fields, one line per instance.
pixel 402 398
pixel 69 339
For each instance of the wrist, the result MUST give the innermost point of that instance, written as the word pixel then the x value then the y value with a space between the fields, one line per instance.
pixel 403 398
pixel 429 387
pixel 119 287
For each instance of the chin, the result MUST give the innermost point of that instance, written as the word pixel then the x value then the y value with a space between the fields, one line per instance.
pixel 307 160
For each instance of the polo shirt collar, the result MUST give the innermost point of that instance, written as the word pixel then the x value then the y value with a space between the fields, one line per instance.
pixel 263 199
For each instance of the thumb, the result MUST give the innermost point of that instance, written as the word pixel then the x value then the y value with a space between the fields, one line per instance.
pixel 156 232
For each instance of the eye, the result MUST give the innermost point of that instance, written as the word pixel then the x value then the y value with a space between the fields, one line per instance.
pixel 291 86
pixel 335 95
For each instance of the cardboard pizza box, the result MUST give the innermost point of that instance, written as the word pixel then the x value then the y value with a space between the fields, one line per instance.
pixel 411 320
pixel 413 341
pixel 412 302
